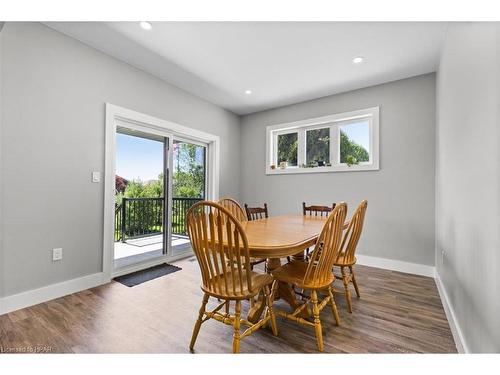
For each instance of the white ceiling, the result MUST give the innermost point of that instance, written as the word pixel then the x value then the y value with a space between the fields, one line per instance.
pixel 281 62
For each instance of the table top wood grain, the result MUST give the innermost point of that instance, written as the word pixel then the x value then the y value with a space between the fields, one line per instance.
pixel 282 236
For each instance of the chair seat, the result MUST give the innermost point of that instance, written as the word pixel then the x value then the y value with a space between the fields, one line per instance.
pixel 259 280
pixel 341 261
pixel 294 272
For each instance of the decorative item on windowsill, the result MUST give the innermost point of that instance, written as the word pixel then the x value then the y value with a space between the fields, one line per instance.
pixel 351 160
pixel 273 166
pixel 321 163
pixel 283 164
pixel 328 164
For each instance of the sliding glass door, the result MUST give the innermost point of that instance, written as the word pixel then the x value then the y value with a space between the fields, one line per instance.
pixel 141 188
pixel 158 177
pixel 189 185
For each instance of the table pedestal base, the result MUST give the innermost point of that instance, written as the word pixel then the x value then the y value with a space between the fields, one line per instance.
pixel 284 291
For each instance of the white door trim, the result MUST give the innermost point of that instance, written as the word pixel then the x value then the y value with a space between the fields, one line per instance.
pixel 133 119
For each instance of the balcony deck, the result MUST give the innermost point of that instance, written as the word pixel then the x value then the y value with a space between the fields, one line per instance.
pixel 142 249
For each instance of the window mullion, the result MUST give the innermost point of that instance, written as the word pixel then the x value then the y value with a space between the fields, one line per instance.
pixel 301 149
pixel 334 145
pixel 275 149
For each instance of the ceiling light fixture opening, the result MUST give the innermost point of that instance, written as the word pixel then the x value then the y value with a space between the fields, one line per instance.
pixel 358 60
pixel 248 92
pixel 146 25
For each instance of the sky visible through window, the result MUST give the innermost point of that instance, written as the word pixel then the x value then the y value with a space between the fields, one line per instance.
pixel 138 158
pixel 358 132
pixel 142 159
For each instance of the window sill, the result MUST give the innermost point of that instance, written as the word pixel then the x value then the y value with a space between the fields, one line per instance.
pixel 336 168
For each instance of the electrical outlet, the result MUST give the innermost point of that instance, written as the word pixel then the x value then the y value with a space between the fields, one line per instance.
pixel 57 254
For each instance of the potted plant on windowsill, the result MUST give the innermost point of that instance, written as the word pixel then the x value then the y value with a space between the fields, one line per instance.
pixel 351 160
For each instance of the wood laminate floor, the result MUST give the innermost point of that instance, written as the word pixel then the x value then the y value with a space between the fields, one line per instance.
pixel 397 313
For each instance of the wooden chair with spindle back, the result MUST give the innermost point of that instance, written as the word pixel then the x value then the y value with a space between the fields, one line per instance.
pixel 237 211
pixel 256 213
pixel 234 208
pixel 346 258
pixel 317 275
pixel 321 211
pixel 221 248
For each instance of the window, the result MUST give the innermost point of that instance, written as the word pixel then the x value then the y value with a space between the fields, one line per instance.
pixel 318 147
pixel 287 149
pixel 354 142
pixel 340 142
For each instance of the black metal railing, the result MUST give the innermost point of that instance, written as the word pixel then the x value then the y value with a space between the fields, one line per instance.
pixel 141 217
pixel 180 207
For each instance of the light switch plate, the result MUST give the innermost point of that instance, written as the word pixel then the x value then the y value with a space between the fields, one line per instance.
pixel 96 177
pixel 57 254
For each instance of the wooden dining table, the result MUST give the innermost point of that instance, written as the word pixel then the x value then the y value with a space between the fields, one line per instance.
pixel 280 237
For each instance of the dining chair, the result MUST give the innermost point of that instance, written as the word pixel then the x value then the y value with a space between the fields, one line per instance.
pixel 221 248
pixel 313 210
pixel 346 258
pixel 322 211
pixel 317 275
pixel 237 211
pixel 256 213
pixel 234 208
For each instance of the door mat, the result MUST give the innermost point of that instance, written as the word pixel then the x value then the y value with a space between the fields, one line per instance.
pixel 139 277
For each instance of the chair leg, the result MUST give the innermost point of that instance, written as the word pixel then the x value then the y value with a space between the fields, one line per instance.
pixel 334 306
pixel 236 326
pixel 345 280
pixel 267 293
pixel 197 325
pixel 274 290
pixel 317 321
pixel 354 282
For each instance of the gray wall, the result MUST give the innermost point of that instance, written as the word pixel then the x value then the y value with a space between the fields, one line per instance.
pixel 400 218
pixel 468 191
pixel 54 90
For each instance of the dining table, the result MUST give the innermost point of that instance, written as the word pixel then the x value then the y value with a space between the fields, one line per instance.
pixel 276 238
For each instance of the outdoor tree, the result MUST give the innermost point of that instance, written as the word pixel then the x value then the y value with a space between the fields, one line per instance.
pixel 350 151
pixel 287 148
pixel 189 172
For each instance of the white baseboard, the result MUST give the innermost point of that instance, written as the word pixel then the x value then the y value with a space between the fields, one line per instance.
pixel 47 293
pixel 450 315
pixel 396 265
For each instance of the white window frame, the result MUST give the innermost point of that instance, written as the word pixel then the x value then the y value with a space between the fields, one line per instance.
pixel 115 116
pixel 275 145
pixel 333 122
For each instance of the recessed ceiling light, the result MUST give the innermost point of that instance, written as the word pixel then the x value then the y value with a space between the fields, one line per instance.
pixel 146 25
pixel 248 92
pixel 358 60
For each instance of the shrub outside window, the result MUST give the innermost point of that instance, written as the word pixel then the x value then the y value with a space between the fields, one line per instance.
pixel 287 149
pixel 318 147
